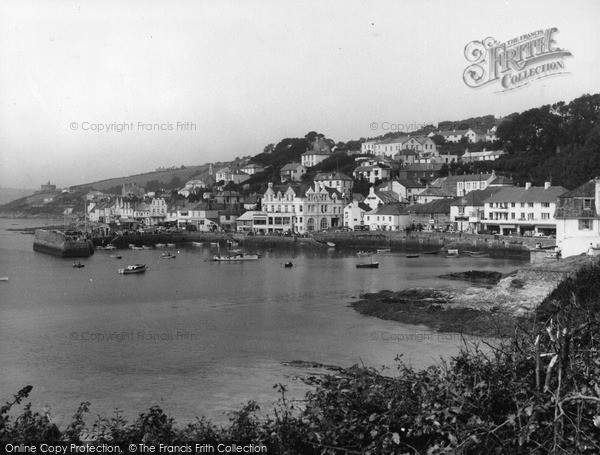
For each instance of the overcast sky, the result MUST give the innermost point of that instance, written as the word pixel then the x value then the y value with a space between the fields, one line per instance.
pixel 250 73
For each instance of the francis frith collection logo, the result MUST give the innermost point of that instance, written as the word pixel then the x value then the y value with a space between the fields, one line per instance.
pixel 516 62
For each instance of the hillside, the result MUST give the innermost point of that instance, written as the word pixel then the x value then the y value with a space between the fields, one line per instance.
pixel 10 194
pixel 168 178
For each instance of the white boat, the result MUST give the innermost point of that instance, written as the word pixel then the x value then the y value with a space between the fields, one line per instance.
pixel 137 248
pixel 171 245
pixel 4 278
pixel 161 245
pixel 168 256
pixel 136 268
pixel 214 243
pixel 236 257
pixel 146 247
pixel 197 243
pixel 384 250
pixel 330 244
pixel 110 247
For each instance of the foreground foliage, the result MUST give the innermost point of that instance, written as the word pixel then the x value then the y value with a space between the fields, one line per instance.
pixel 538 393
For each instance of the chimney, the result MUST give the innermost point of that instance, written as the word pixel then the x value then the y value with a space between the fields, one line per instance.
pixel 546 185
pixel 597 194
pixel 527 185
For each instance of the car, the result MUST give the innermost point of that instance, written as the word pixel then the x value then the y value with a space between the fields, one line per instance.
pixel 539 234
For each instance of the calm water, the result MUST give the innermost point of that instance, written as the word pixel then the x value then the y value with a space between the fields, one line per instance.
pixel 197 337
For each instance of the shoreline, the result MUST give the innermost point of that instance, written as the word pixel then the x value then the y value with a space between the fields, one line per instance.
pixel 489 311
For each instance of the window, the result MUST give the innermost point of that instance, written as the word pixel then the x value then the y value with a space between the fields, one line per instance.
pixel 587 204
pixel 585 225
pixel 522 204
pixel 530 216
pixel 522 216
pixel 513 216
pixel 545 216
pixel 512 204
pixel 530 204
pixel 546 205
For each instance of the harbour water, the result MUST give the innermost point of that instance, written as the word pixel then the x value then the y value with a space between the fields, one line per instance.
pixel 198 338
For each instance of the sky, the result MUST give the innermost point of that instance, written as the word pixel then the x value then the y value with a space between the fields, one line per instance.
pixel 243 74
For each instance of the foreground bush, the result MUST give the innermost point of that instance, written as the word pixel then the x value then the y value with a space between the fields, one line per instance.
pixel 538 393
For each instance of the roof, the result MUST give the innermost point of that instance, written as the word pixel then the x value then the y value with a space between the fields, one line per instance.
pixel 364 206
pixel 313 152
pixel 475 198
pixel 410 183
pixel 423 167
pixel 533 194
pixel 468 178
pixel 439 206
pixel 252 166
pixel 332 176
pixel 291 166
pixel 370 168
pixel 389 209
pixel 250 214
pixel 435 191
pixel 587 190
pixel 501 180
pixel 388 196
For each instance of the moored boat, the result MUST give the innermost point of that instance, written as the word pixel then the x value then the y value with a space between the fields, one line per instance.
pixel 236 257
pixel 168 256
pixel 330 244
pixel 288 264
pixel 197 244
pixel 171 245
pixel 368 265
pixel 452 253
pixel 146 247
pixel 78 265
pixel 384 250
pixel 136 268
pixel 410 256
pixel 3 278
pixel 161 245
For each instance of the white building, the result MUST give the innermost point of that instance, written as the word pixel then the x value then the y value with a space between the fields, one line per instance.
pixel 389 217
pixel 337 180
pixel 578 219
pixel 354 214
pixel 523 210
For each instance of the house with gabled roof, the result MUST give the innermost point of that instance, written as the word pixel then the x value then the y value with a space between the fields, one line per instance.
pixel 459 185
pixel 252 168
pixel 455 136
pixel 467 211
pixel 523 210
pixel 577 218
pixel 433 215
pixel 292 172
pixel 354 213
pixel 337 180
pixel 421 172
pixel 388 217
pixel 373 171
pixel 432 193
pixel 406 189
pixel 377 198
pixel 254 221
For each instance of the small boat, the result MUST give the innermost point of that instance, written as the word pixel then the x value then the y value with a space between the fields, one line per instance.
pixel 146 247
pixel 363 253
pixel 288 264
pixel 479 254
pixel 110 247
pixel 78 265
pixel 161 245
pixel 116 256
pixel 214 244
pixel 168 256
pixel 368 265
pixel 171 245
pixel 410 256
pixel 431 252
pixel 197 244
pixel 237 257
pixel 137 268
pixel 137 248
pixel 384 250
pixel 330 244
pixel 452 254
pixel 3 278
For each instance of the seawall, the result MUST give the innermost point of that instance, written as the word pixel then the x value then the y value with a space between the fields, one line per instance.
pixel 60 244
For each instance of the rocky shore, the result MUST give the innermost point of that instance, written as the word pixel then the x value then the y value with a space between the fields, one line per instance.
pixel 483 311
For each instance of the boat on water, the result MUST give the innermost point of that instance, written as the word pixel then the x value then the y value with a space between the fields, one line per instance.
pixel 78 265
pixel 364 254
pixel 171 245
pixel 288 264
pixel 168 256
pixel 431 252
pixel 146 247
pixel 197 244
pixel 3 278
pixel 384 250
pixel 161 245
pixel 410 256
pixel 330 244
pixel 452 254
pixel 136 268
pixel 368 265
pixel 236 257
pixel 214 244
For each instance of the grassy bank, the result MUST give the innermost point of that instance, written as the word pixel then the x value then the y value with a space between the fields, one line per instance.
pixel 537 393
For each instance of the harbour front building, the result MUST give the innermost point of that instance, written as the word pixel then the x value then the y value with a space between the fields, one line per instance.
pixel 298 209
pixel 524 210
pixel 578 219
